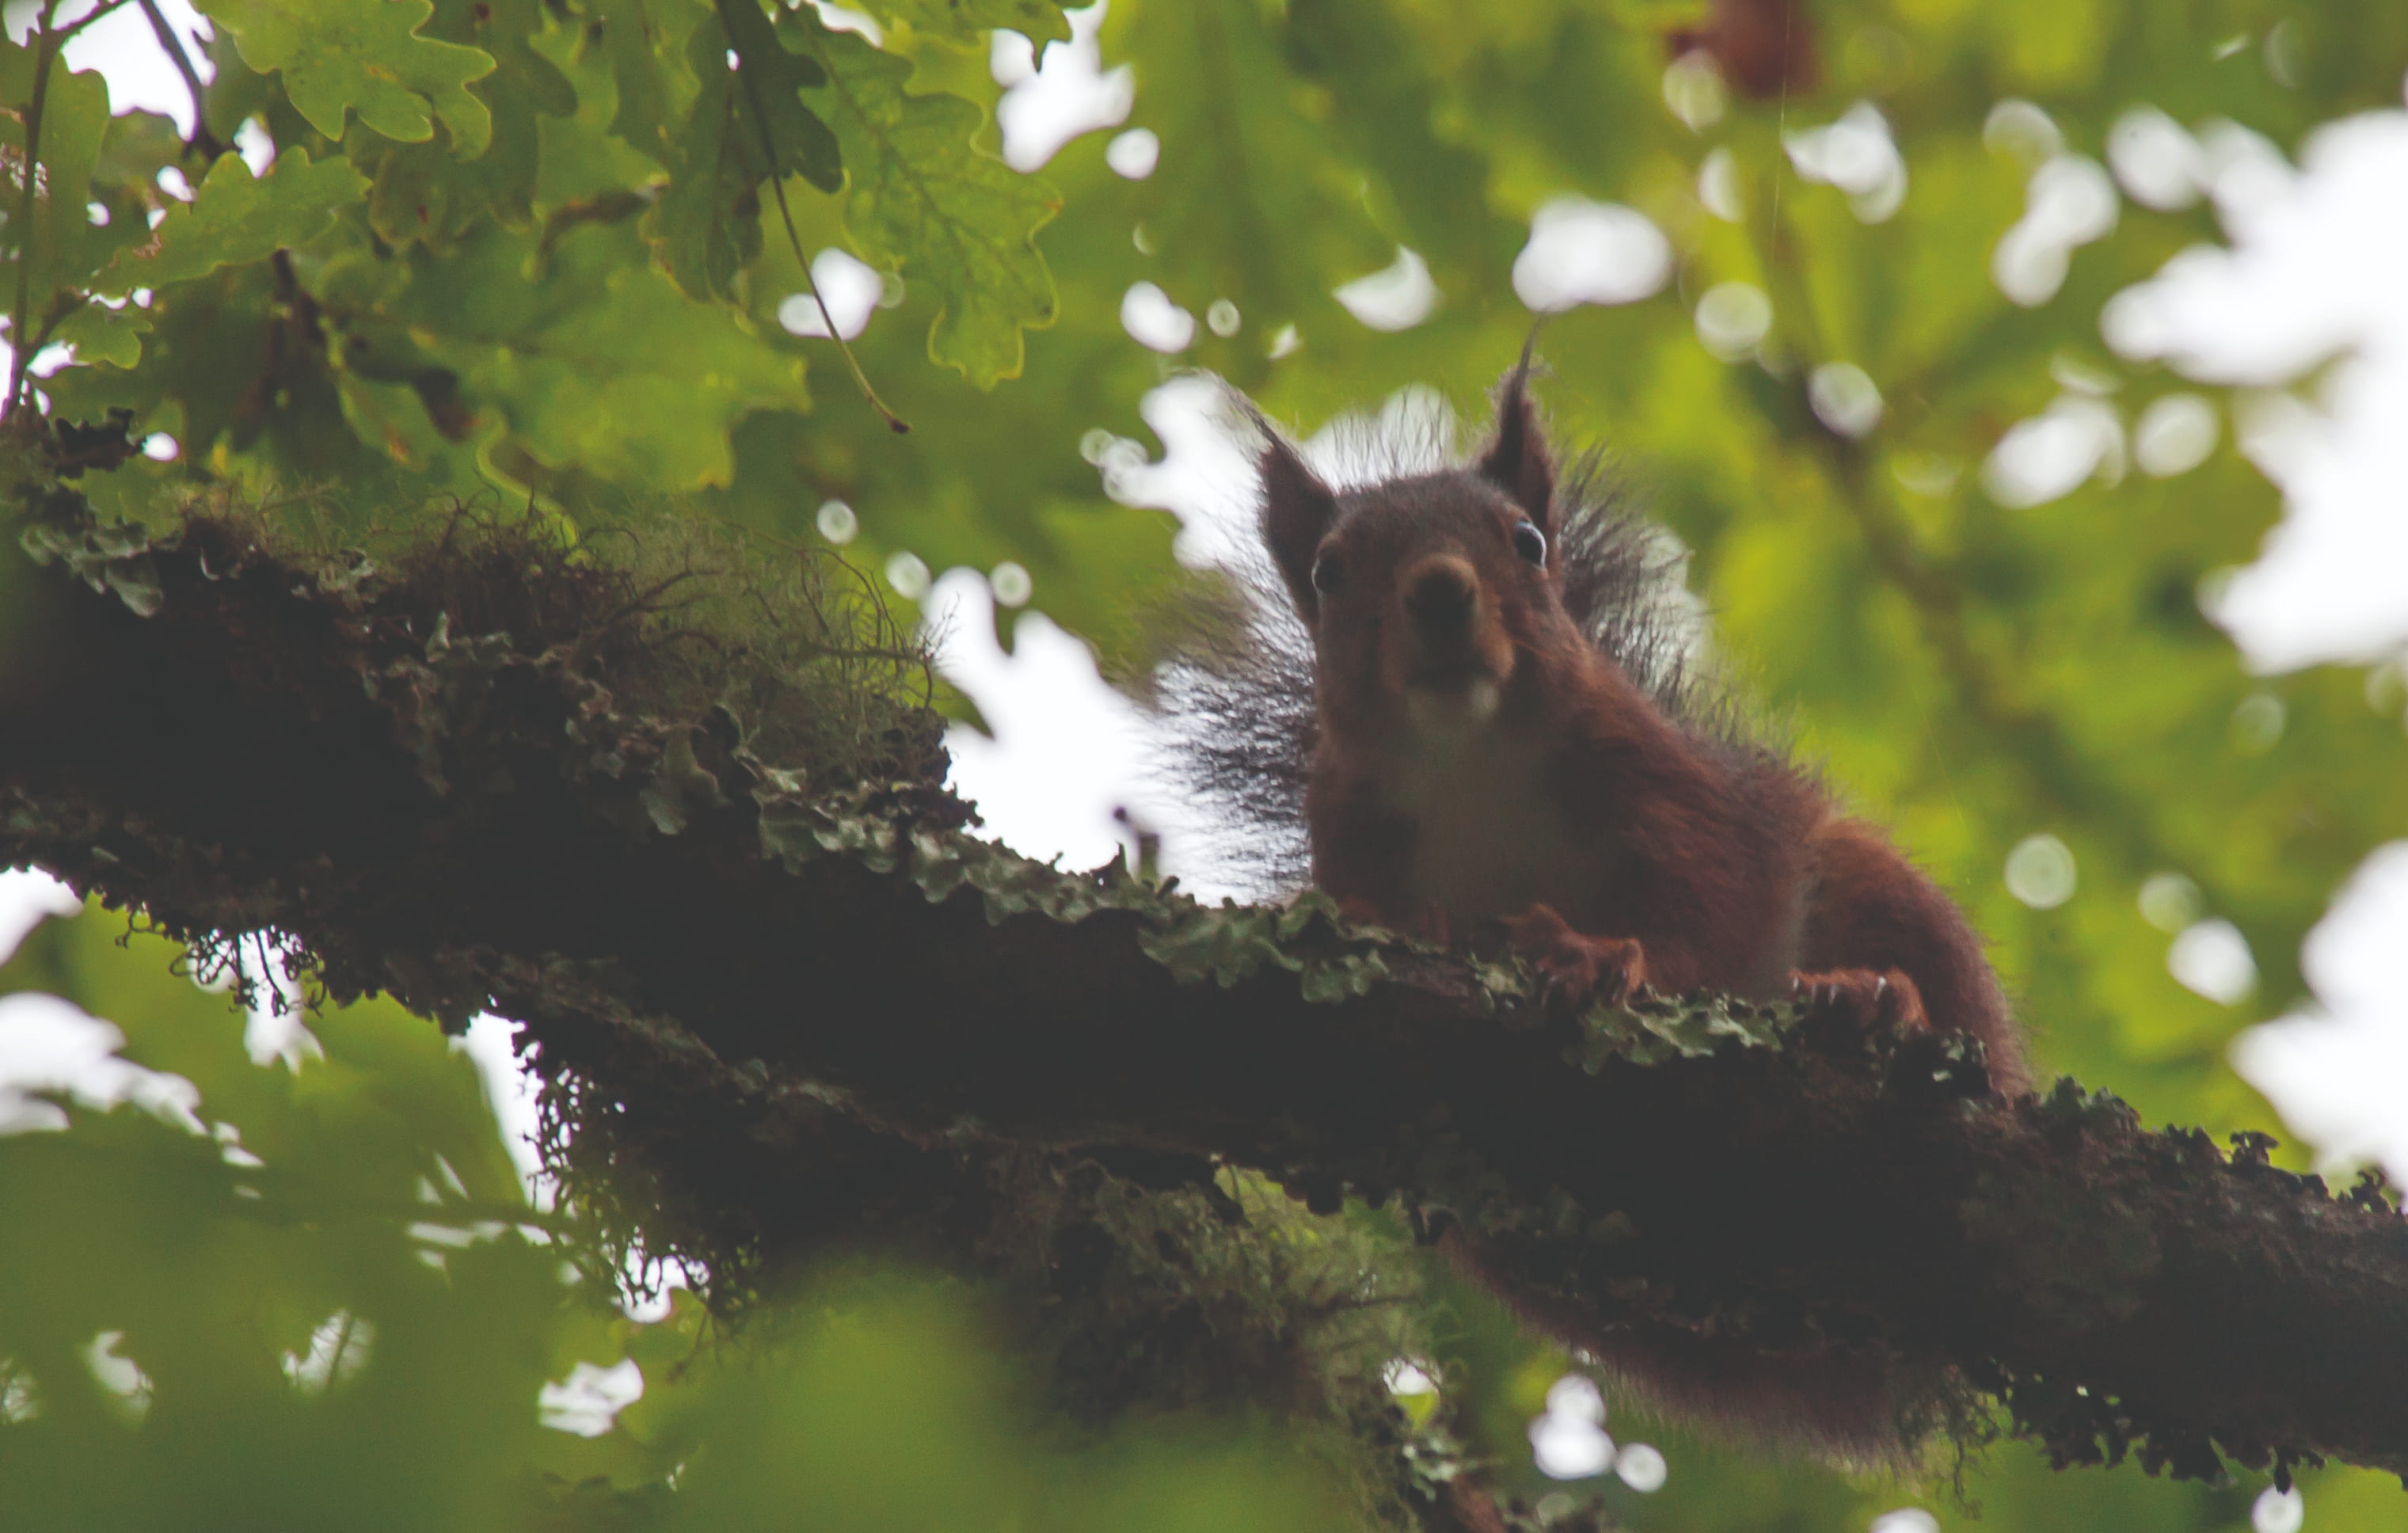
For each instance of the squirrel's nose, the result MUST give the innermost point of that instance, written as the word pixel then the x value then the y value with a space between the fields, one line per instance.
pixel 1440 592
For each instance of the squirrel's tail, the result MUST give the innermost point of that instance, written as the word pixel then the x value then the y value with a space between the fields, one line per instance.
pixel 1864 1409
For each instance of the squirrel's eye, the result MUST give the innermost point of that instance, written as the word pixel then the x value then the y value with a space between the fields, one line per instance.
pixel 1530 544
pixel 1325 572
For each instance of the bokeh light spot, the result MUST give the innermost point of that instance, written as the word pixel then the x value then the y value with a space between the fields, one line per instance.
pixel 2040 872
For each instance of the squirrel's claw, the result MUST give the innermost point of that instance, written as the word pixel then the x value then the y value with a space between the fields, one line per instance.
pixel 1578 966
pixel 1886 1000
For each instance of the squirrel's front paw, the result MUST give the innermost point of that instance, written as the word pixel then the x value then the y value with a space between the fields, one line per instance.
pixel 1579 967
pixel 1885 999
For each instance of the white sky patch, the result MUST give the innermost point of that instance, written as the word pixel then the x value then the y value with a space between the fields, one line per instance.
pixel 908 573
pixel 1693 89
pixel 2023 132
pixel 52 1047
pixel 839 523
pixel 1011 584
pixel 588 1400
pixel 1590 252
pixel 1845 398
pixel 1067 748
pixel 124 48
pixel 1132 155
pixel 258 150
pixel 845 19
pixel 278 1026
pixel 1733 319
pixel 230 1150
pixel 1153 322
pixel 1569 1440
pixel 510 1091
pixel 2041 871
pixel 1204 476
pixel 1858 155
pixel 119 1375
pixel 1718 186
pixel 2055 453
pixel 2175 433
pixel 18 1401
pixel 339 1349
pixel 1068 91
pixel 2337 1068
pixel 28 897
pixel 2278 1510
pixel 2155 160
pixel 852 288
pixel 2314 274
pixel 1398 296
pixel 2069 202
pixel 2247 177
pixel 1641 1466
pixel 647 1287
pixel 1011 57
pixel 2212 959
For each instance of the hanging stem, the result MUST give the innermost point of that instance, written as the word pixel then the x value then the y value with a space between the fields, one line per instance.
pixel 203 141
pixel 778 187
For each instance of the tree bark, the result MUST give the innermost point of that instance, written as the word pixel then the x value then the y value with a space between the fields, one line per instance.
pixel 466 823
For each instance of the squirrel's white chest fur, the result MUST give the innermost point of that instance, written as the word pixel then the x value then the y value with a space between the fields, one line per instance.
pixel 1487 840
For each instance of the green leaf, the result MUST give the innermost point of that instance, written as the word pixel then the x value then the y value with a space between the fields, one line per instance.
pixel 925 199
pixel 126 181
pixel 507 29
pixel 604 367
pixel 366 56
pixel 707 224
pixel 64 244
pixel 768 81
pixel 235 218
pixel 969 20
pixel 101 334
pixel 422 191
pixel 648 65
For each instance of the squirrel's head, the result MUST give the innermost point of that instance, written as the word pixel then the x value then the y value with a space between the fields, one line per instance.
pixel 1426 595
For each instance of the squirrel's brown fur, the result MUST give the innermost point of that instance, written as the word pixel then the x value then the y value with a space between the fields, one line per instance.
pixel 1503 732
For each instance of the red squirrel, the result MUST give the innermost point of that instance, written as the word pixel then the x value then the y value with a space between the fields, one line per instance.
pixel 1503 733
pixel 1484 756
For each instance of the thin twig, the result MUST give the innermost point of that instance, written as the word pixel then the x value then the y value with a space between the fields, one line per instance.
pixel 46 48
pixel 87 19
pixel 778 189
pixel 202 141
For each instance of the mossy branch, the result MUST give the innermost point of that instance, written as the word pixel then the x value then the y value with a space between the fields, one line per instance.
pixel 455 781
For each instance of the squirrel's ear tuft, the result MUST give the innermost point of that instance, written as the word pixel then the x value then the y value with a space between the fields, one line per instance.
pixel 1296 512
pixel 1517 460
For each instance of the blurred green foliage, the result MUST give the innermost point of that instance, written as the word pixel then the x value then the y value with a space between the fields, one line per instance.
pixel 342 1306
pixel 526 251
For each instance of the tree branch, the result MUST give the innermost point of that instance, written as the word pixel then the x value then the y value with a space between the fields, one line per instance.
pixel 202 142
pixel 468 820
